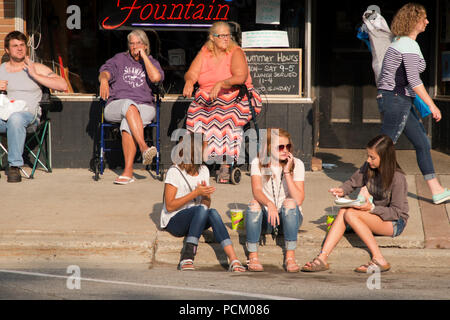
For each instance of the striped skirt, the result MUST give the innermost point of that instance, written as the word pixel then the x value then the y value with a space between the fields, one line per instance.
pixel 221 121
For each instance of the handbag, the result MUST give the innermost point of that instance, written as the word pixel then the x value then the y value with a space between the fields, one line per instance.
pixel 422 107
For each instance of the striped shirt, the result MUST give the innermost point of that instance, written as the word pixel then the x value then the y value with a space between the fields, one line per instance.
pixel 402 65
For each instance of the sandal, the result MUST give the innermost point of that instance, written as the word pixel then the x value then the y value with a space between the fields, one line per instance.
pixel 365 267
pixel 186 265
pixel 223 175
pixel 291 267
pixel 123 180
pixel 253 265
pixel 316 265
pixel 236 266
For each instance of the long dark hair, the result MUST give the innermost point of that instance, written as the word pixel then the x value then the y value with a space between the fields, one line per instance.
pixel 384 147
pixel 190 166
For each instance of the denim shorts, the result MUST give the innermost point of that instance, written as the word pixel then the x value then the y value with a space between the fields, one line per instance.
pixel 398 226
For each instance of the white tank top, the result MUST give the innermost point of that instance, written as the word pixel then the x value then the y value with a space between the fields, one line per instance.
pixel 22 87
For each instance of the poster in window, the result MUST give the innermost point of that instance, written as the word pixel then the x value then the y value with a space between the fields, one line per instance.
pixel 268 11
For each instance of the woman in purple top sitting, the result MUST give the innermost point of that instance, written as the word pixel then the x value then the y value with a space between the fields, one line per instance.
pixel 125 84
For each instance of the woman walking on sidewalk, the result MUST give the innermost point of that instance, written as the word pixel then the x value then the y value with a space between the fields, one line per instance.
pixel 278 191
pixel 385 216
pixel 399 83
pixel 187 212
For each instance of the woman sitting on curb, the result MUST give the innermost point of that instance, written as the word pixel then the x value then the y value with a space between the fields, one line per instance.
pixel 386 216
pixel 187 212
pixel 278 191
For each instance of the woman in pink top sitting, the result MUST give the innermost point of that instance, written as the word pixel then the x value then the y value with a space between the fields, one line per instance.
pixel 215 111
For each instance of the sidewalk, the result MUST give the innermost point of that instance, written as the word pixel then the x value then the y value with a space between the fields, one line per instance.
pixel 68 212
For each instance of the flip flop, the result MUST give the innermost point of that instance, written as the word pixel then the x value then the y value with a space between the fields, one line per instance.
pixel 127 180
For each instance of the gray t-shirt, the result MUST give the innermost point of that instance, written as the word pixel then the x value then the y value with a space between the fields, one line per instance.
pixel 21 86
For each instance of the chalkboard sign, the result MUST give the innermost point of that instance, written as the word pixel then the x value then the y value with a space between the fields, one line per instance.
pixel 276 72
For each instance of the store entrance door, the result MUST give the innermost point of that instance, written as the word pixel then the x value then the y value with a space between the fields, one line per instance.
pixel 349 115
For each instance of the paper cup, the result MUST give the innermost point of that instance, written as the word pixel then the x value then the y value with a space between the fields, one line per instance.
pixel 237 219
pixel 330 220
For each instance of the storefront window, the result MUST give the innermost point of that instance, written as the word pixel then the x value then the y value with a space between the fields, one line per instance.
pixel 174 43
pixel 443 50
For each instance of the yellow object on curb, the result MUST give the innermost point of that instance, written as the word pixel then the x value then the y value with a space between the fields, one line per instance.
pixel 237 219
pixel 330 220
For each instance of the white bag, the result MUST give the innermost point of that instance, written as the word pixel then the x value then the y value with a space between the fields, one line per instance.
pixel 380 37
pixel 8 107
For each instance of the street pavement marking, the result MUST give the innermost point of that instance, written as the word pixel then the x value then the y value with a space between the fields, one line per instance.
pixel 224 292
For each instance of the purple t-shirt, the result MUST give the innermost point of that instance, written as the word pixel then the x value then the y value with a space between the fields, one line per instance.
pixel 129 79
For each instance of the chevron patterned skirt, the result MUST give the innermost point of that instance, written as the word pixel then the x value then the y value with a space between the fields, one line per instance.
pixel 222 120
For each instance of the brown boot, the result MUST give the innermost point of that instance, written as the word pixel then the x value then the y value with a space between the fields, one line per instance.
pixel 14 174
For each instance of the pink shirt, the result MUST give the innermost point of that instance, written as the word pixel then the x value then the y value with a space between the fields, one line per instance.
pixel 211 73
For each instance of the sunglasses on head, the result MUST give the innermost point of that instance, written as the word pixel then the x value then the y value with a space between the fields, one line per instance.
pixel 287 146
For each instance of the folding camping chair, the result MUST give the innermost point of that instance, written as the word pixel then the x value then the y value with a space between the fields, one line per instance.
pixel 100 146
pixel 37 137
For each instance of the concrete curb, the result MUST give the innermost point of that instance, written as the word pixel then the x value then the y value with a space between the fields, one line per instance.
pixel 65 212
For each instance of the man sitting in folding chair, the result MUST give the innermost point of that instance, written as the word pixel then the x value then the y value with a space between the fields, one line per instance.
pixel 125 84
pixel 22 79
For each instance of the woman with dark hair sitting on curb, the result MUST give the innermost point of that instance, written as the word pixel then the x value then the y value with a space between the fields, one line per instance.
pixel 187 212
pixel 386 215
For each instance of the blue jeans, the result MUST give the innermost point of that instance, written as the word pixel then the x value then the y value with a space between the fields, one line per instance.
pixel 399 116
pixel 257 223
pixel 192 221
pixel 16 130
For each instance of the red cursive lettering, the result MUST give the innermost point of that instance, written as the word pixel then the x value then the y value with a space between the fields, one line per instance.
pixel 167 11
pixel 133 7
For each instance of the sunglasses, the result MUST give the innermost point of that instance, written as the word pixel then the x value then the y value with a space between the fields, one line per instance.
pixel 287 146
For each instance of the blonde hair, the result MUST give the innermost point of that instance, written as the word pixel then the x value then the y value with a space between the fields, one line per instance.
pixel 212 30
pixel 142 36
pixel 267 150
pixel 406 19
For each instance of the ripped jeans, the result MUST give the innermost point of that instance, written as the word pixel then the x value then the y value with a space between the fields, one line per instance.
pixel 399 116
pixel 257 223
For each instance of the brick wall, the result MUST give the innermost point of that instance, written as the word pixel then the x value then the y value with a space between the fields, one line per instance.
pixel 7 13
